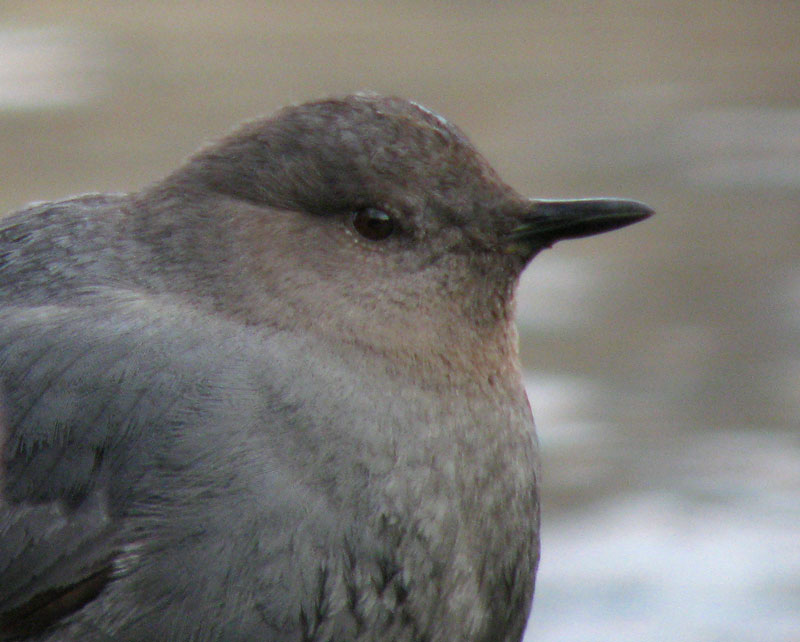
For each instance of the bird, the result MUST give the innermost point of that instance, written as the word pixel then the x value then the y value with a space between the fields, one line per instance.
pixel 276 395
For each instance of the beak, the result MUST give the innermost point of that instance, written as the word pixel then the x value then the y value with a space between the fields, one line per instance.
pixel 549 221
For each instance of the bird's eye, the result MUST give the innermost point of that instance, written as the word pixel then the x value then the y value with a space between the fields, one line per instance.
pixel 373 224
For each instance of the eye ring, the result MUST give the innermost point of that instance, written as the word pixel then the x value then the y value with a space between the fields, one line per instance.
pixel 373 224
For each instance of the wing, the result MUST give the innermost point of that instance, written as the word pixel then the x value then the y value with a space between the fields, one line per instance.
pixel 86 396
pixel 155 480
pixel 52 562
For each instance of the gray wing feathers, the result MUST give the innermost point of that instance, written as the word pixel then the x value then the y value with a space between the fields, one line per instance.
pixel 51 562
pixel 86 391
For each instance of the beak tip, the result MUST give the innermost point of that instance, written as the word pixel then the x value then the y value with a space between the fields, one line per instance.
pixel 641 210
pixel 630 212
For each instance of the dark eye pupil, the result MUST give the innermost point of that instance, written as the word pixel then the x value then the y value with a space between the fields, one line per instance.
pixel 373 224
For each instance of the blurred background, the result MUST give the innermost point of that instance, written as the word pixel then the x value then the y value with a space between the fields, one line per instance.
pixel 663 361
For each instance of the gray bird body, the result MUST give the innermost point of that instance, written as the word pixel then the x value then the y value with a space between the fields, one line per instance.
pixel 227 416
